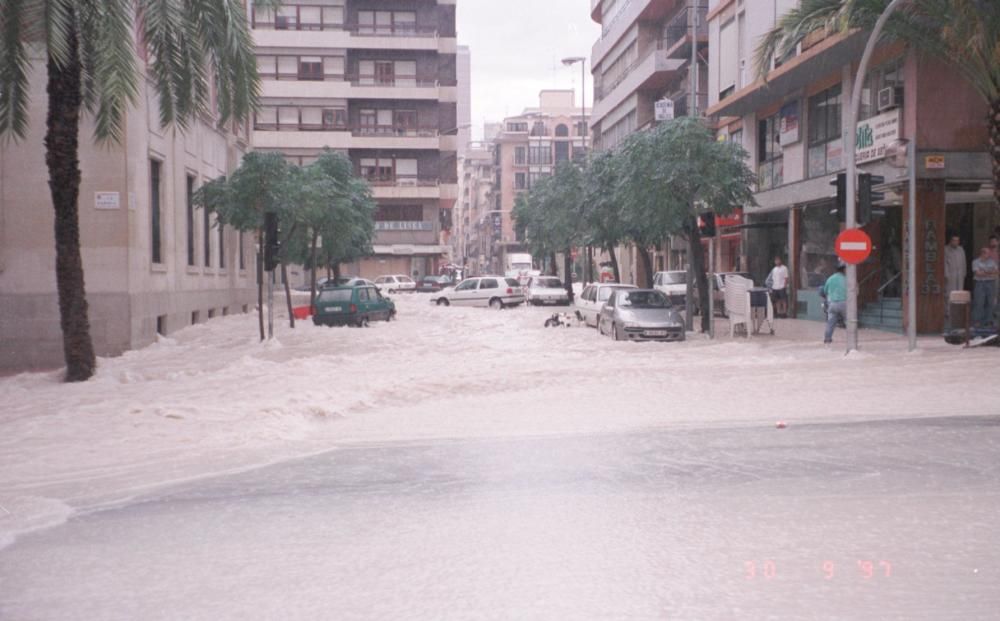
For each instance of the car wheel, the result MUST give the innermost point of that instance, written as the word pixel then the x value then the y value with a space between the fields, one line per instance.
pixel 496 304
pixel 616 332
pixel 443 302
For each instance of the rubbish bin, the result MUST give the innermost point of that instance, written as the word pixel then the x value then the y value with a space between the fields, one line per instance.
pixel 959 309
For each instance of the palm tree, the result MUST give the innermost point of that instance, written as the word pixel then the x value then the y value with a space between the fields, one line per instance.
pixel 89 50
pixel 965 33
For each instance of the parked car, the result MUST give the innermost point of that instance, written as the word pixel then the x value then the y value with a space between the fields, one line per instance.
pixel 493 291
pixel 673 284
pixel 542 290
pixel 396 283
pixel 320 283
pixel 433 284
pixel 353 306
pixel 641 315
pixel 591 300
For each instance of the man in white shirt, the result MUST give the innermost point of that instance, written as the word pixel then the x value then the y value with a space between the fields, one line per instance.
pixel 777 281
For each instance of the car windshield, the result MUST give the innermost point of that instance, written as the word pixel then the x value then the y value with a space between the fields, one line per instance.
pixel 335 295
pixel 547 283
pixel 643 299
pixel 673 278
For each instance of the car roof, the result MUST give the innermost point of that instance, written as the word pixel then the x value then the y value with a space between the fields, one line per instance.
pixel 615 285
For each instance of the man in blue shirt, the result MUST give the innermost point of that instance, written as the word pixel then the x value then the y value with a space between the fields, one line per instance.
pixel 835 292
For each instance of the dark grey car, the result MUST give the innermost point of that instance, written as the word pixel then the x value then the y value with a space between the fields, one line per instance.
pixel 641 315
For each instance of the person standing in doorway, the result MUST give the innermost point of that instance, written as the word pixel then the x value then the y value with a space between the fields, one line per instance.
pixel 955 265
pixel 984 272
pixel 777 282
pixel 835 292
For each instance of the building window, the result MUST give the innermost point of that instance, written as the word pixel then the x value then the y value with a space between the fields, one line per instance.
pixel 387 23
pixel 190 221
pixel 826 145
pixel 520 181
pixel 517 127
pixel 889 75
pixel 520 156
pixel 769 156
pixel 310 68
pixel 399 213
pixel 222 246
pixel 156 241
pixel 539 129
pixel 377 170
pixel 535 177
pixel 562 131
pixel 540 155
pixel 206 236
pixel 581 128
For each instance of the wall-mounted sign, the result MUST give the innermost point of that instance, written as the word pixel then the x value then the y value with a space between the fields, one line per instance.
pixel 875 135
pixel 789 124
pixel 934 162
pixel 107 200
pixel 664 110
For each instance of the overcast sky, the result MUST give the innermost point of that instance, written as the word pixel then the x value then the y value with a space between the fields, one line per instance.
pixel 517 46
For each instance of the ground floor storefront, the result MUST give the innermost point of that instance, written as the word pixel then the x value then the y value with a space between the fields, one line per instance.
pixel 413 261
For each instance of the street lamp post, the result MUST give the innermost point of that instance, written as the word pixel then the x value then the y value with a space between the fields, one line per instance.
pixel 570 61
pixel 850 148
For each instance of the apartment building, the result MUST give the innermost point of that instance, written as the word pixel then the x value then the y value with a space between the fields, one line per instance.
pixel 473 227
pixel 153 263
pixel 793 128
pixel 377 80
pixel 528 148
pixel 642 60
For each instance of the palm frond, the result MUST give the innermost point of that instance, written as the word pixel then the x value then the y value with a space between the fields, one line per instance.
pixel 109 68
pixel 14 66
pixel 794 26
pixel 58 18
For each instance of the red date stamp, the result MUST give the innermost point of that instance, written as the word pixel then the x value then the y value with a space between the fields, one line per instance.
pixel 864 569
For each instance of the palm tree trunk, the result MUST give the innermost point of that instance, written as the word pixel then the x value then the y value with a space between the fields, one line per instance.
pixel 62 143
pixel 647 265
pixel 553 264
pixel 995 150
pixel 336 270
pixel 614 263
pixel 260 285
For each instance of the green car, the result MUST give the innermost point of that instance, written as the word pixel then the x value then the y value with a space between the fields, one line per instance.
pixel 352 306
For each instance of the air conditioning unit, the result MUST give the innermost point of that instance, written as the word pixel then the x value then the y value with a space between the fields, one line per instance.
pixel 889 98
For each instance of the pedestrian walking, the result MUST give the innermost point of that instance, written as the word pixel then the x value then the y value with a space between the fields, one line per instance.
pixel 984 273
pixel 777 283
pixel 835 292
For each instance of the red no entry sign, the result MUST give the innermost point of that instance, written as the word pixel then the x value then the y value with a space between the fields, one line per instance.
pixel 853 246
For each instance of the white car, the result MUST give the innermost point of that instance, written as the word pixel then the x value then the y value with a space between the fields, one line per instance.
pixel 396 283
pixel 590 302
pixel 543 290
pixel 492 291
pixel 673 284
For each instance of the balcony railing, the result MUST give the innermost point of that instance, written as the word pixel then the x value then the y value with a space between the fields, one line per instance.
pixel 410 81
pixel 392 30
pixel 314 17
pixel 402 181
pixel 678 28
pixel 395 130
pixel 403 225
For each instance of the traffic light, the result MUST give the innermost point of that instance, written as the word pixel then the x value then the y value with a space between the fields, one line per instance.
pixel 707 224
pixel 840 181
pixel 866 197
pixel 271 243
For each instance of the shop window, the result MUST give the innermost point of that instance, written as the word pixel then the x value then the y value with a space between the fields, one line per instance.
pixel 826 145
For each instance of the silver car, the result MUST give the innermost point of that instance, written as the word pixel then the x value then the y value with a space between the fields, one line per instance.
pixel 546 290
pixel 641 315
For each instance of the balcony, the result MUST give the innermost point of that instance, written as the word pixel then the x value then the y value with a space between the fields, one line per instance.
pixel 405 187
pixel 395 137
pixel 653 71
pixel 355 87
pixel 677 33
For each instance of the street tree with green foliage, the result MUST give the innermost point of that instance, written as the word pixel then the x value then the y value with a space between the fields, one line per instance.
pixel 675 172
pixel 259 185
pixel 963 33
pixel 550 216
pixel 89 51
pixel 603 206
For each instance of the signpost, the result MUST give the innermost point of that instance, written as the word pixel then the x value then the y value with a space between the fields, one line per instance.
pixel 853 246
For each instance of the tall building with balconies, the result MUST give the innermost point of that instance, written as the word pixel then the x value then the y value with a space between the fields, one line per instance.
pixel 528 148
pixel 377 80
pixel 642 61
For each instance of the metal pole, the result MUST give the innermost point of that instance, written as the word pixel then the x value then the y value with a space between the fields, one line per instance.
pixel 911 249
pixel 850 148
pixel 711 287
pixel 693 70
